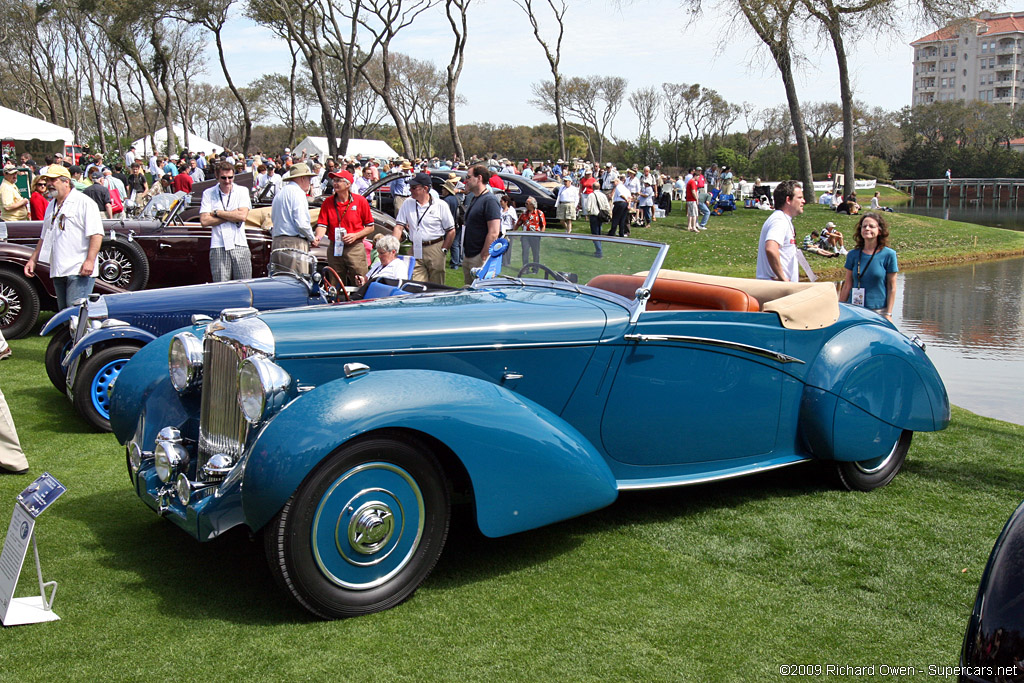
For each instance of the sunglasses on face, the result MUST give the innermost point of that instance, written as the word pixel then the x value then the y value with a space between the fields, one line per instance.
pixel 227 177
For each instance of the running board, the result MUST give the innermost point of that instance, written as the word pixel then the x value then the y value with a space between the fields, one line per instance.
pixel 691 479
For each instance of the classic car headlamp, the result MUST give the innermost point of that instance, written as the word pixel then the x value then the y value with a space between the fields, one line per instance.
pixel 183 489
pixel 262 387
pixel 185 361
pixel 169 456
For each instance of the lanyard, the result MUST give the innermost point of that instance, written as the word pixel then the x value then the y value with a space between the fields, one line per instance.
pixel 426 211
pixel 860 271
pixel 223 206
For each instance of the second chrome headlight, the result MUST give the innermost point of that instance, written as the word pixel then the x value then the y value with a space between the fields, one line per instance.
pixel 262 387
pixel 185 361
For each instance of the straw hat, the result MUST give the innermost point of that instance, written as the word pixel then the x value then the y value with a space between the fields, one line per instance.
pixel 299 170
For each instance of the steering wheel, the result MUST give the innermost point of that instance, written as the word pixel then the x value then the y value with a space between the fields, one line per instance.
pixel 547 271
pixel 328 273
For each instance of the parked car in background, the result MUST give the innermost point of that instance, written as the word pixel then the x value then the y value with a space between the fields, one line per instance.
pixel 21 297
pixel 341 433
pixel 993 649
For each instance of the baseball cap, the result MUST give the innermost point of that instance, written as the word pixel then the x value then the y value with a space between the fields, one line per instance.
pixel 341 174
pixel 55 171
pixel 420 179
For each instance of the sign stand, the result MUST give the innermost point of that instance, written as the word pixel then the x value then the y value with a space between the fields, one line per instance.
pixel 30 504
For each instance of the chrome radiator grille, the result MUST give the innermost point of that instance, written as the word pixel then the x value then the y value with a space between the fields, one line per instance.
pixel 222 429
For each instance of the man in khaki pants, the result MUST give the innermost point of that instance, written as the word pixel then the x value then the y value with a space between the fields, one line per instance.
pixel 12 458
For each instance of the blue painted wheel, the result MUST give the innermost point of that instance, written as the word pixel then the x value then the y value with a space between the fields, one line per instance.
pixel 363 531
pixel 95 380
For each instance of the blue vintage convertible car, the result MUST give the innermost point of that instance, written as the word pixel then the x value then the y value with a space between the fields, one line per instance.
pixel 342 433
pixel 92 341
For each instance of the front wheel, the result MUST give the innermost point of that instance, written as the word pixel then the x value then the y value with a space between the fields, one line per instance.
pixel 95 380
pixel 363 530
pixel 19 304
pixel 60 344
pixel 866 475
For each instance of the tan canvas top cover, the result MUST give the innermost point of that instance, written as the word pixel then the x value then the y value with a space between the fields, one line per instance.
pixel 799 305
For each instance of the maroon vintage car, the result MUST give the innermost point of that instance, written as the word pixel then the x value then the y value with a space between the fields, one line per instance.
pixel 21 297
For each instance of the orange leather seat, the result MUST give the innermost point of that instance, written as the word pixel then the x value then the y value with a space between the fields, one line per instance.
pixel 679 295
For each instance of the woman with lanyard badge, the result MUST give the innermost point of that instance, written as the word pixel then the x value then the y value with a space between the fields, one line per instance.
pixel 871 268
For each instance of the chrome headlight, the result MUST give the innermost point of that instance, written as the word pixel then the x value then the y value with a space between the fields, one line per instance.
pixel 169 459
pixel 262 387
pixel 185 361
pixel 183 489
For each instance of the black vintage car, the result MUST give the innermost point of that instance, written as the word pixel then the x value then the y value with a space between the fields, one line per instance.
pixel 518 189
pixel 993 649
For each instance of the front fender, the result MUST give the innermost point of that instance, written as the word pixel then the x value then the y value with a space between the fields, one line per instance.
pixel 59 318
pixel 528 467
pixel 144 384
pixel 94 337
pixel 872 380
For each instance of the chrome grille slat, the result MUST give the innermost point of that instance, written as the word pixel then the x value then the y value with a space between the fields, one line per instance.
pixel 222 429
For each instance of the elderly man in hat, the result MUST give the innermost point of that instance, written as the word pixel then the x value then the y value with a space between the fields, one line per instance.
pixel 290 210
pixel 223 209
pixel 13 207
pixel 73 231
pixel 431 227
pixel 345 219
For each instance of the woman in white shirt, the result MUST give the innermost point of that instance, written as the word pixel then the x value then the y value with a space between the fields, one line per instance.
pixel 389 266
pixel 568 198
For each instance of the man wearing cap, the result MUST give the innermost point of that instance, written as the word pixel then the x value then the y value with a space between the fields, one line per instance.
pixel 72 232
pixel 399 187
pixel 345 219
pixel 129 157
pixel 99 193
pixel 609 177
pixel 431 227
pixel 13 207
pixel 290 211
pixel 223 209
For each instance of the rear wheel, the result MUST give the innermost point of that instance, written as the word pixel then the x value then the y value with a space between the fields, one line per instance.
pixel 19 304
pixel 60 344
pixel 123 264
pixel 865 475
pixel 363 531
pixel 95 380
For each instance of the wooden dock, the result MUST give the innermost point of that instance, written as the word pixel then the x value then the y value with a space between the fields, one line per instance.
pixel 996 191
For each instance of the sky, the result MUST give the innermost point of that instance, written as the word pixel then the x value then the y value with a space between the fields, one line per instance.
pixel 649 42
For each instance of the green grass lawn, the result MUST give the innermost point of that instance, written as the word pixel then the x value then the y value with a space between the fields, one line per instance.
pixel 719 582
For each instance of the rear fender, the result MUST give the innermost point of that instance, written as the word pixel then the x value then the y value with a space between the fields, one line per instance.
pixel 103 335
pixel 872 381
pixel 528 467
pixel 59 318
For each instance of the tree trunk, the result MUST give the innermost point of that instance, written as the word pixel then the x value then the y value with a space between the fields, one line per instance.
pixel 846 95
pixel 291 100
pixel 803 149
pixel 246 119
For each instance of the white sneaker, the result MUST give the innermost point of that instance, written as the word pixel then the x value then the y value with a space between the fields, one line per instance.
pixel 842 251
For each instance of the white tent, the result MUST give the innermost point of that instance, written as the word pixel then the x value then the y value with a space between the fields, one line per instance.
pixel 14 124
pixel 368 148
pixel 195 143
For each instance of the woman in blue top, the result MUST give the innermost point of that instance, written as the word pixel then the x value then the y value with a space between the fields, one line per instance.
pixel 871 268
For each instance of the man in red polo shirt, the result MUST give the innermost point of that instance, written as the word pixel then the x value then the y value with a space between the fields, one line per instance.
pixel 346 219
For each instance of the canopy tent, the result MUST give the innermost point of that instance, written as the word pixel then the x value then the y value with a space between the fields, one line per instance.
pixel 368 148
pixel 195 143
pixel 14 124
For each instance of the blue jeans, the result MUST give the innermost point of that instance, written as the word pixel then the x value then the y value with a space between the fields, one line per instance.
pixel 457 248
pixel 595 229
pixel 71 288
pixel 705 214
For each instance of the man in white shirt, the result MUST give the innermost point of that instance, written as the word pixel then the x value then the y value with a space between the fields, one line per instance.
pixel 223 209
pixel 154 168
pixel 72 233
pixel 129 157
pixel 431 228
pixel 609 177
pixel 195 172
pixel 363 180
pixel 777 250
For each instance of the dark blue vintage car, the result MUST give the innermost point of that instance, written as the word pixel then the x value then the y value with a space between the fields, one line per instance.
pixel 92 341
pixel 342 433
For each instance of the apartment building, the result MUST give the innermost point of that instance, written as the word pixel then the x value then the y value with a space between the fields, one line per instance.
pixel 981 58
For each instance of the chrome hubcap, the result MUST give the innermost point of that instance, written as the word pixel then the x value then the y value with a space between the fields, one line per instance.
pixel 10 305
pixel 371 527
pixel 873 466
pixel 115 267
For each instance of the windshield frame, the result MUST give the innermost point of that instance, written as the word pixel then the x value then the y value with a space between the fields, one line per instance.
pixel 636 306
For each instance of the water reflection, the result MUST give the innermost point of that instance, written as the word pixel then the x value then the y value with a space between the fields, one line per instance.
pixel 972 318
pixel 1002 216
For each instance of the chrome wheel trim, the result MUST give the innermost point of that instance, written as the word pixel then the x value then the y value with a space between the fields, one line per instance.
pixel 866 467
pixel 10 305
pixel 362 555
pixel 115 267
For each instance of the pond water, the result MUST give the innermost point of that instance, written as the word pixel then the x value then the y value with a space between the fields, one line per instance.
pixel 1004 216
pixel 972 319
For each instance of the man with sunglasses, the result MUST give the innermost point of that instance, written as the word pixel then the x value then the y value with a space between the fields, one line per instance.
pixel 13 207
pixel 70 240
pixel 223 209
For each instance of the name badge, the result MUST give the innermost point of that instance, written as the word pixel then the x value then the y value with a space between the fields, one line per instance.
pixel 857 296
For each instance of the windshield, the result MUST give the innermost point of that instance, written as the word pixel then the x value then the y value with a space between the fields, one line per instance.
pixel 574 260
pixel 291 262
